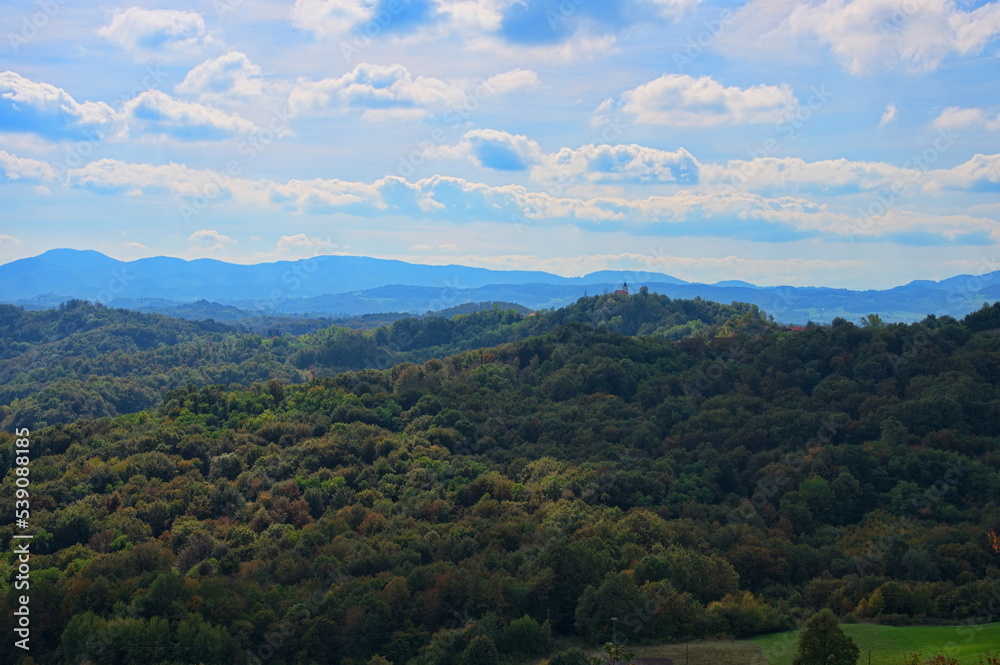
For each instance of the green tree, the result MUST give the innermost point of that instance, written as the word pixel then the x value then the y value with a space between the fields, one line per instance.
pixel 571 656
pixel 616 654
pixel 481 651
pixel 872 321
pixel 822 642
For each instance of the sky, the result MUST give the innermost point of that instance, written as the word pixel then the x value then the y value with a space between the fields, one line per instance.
pixel 838 143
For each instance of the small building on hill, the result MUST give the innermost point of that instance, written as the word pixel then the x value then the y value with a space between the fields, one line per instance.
pixel 622 291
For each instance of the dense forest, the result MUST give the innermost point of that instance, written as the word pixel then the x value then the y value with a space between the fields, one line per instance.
pixel 684 466
pixel 88 361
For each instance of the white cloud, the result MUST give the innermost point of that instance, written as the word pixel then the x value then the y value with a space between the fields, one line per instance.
pixel 302 241
pixel 52 113
pixel 617 163
pixel 106 175
pixel 208 241
pixel 888 115
pixel 492 149
pixel 321 196
pixel 6 239
pixel 473 16
pixel 673 9
pixel 229 75
pixel 869 35
pixel 22 168
pixel 515 79
pixel 385 92
pixel 793 173
pixel 683 101
pixel 46 110
pixel 149 33
pixel 457 200
pixel 954 117
pixel 330 17
pixel 156 113
pixel 982 171
pixel 520 30
pixel 900 220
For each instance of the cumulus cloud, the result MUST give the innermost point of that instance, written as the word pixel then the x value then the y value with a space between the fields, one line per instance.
pixel 302 241
pixel 320 196
pixel 384 92
pixel 872 35
pixel 51 112
pixel 793 173
pixel 515 79
pixel 44 109
pixel 331 17
pixel 149 33
pixel 955 117
pixel 526 30
pixel 618 163
pixel 227 76
pixel 112 175
pixel 208 241
pixel 888 115
pixel 156 113
pixel 457 200
pixel 492 149
pixel 23 169
pixel 680 100
pixel 981 173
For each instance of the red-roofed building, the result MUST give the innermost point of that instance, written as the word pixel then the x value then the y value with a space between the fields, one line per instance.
pixel 622 291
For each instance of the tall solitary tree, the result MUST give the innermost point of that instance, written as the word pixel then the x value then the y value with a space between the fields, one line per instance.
pixel 822 642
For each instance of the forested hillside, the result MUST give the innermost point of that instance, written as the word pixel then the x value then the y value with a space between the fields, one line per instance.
pixel 85 360
pixel 436 513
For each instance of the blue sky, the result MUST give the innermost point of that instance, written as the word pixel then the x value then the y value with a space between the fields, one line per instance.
pixel 842 143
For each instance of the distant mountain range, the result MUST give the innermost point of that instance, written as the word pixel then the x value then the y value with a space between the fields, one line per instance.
pixel 351 286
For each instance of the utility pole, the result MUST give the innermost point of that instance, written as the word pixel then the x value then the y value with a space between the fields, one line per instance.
pixel 614 631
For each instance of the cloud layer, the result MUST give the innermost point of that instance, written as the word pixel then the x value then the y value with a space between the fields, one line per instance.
pixel 152 33
pixel 680 100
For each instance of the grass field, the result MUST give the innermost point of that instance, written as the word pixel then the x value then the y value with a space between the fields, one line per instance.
pixel 888 644
pixel 710 652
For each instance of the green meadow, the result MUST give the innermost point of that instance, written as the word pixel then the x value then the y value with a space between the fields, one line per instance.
pixel 889 644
